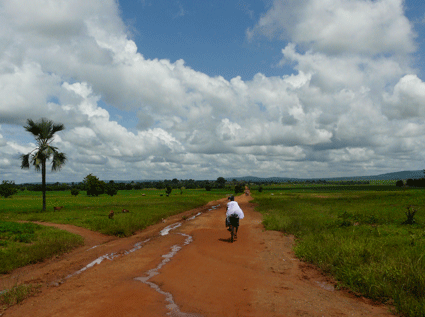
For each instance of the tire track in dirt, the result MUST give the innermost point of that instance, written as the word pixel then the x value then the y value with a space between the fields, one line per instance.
pixel 258 275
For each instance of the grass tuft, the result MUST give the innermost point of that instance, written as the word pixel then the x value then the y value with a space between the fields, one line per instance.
pixel 17 294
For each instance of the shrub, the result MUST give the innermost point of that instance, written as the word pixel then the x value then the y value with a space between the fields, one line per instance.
pixel 410 214
pixel 111 190
pixel 74 191
pixel 399 183
pixel 239 189
pixel 7 189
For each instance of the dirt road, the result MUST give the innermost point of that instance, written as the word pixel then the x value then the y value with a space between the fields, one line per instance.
pixel 192 271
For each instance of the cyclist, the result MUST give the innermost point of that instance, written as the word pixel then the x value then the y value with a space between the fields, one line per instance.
pixel 233 214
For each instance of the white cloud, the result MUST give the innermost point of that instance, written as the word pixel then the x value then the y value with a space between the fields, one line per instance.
pixel 340 26
pixel 407 100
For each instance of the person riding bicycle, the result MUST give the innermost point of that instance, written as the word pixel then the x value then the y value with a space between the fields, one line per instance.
pixel 233 214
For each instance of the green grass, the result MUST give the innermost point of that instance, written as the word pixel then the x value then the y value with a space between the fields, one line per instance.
pixel 25 243
pixel 17 294
pixel 359 237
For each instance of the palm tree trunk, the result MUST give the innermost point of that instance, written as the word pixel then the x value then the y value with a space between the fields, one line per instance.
pixel 43 182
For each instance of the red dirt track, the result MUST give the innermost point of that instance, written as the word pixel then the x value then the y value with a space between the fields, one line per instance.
pixel 258 275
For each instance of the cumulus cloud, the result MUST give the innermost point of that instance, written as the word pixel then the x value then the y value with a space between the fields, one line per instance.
pixel 340 26
pixel 407 100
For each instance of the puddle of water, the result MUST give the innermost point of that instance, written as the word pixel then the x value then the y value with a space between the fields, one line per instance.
pixel 193 217
pixel 326 286
pixel 167 229
pixel 109 257
pixel 171 306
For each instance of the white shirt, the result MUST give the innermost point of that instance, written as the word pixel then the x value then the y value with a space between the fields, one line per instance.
pixel 233 208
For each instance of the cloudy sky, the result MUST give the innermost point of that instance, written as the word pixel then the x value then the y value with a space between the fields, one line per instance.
pixel 200 89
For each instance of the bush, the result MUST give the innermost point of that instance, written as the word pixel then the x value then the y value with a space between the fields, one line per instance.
pixel 94 186
pixel 111 190
pixel 74 191
pixel 410 214
pixel 168 190
pixel 239 189
pixel 399 183
pixel 8 189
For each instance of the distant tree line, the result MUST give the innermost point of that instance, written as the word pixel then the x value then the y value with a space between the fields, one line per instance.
pixel 416 182
pixel 94 187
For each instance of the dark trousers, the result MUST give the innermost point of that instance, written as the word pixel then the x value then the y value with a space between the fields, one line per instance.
pixel 234 221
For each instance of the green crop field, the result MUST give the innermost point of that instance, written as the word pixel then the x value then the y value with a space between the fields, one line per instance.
pixel 359 235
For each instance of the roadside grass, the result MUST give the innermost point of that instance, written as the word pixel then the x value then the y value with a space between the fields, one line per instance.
pixel 17 294
pixel 25 243
pixel 146 207
pixel 359 237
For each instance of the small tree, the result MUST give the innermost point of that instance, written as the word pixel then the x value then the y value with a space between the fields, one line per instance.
pixel 8 189
pixel 410 182
pixel 168 190
pixel 399 183
pixel 93 185
pixel 111 190
pixel 74 191
pixel 208 187
pixel 221 182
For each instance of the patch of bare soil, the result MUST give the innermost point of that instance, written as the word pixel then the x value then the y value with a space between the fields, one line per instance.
pixel 193 270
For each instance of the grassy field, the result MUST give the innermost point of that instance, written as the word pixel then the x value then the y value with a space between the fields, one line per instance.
pixel 359 235
pixel 25 243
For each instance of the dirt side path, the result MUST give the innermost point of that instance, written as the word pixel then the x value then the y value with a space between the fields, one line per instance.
pixel 192 271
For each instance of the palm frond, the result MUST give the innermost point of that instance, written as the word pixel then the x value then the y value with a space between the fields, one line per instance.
pixel 44 129
pixel 57 127
pixel 25 164
pixel 32 127
pixel 59 159
pixel 37 159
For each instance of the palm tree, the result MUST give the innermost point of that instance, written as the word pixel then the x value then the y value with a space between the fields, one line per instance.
pixel 43 132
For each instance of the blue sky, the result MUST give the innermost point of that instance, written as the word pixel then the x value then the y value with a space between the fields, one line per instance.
pixel 209 36
pixel 197 89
